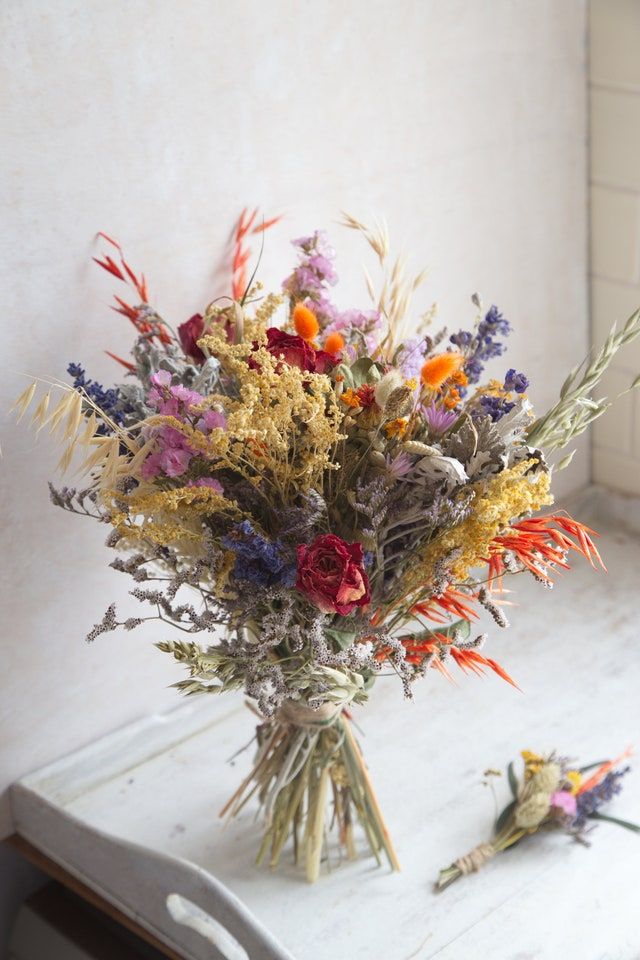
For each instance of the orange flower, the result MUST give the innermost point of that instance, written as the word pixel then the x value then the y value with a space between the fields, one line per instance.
pixel 451 601
pixel 436 370
pixel 537 543
pixel 396 428
pixel 305 322
pixel 334 343
pixel 602 771
pixel 351 398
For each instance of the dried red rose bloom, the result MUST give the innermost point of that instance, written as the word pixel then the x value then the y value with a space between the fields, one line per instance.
pixel 298 353
pixel 331 574
pixel 189 333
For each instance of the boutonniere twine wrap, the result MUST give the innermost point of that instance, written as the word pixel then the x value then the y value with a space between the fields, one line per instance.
pixel 312 497
pixel 553 795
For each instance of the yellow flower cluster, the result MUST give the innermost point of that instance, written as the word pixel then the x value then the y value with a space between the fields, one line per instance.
pixel 499 501
pixel 283 427
pixel 168 517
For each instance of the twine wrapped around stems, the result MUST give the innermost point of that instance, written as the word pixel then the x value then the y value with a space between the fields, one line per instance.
pixel 475 859
pixel 307 758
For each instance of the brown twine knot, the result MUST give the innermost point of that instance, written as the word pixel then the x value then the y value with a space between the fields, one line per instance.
pixel 475 859
pixel 301 715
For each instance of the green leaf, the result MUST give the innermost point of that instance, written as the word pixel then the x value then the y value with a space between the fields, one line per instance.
pixel 343 370
pixel 513 780
pixel 344 638
pixel 504 816
pixel 621 823
pixel 566 461
pixel 591 766
pixel 365 370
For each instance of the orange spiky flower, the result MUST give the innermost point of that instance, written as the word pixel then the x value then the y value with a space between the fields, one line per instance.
pixel 241 254
pixel 451 601
pixel 437 644
pixel 537 543
pixel 602 771
pixel 143 320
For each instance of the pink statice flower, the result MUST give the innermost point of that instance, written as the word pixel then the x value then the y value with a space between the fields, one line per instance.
pixel 565 801
pixel 207 482
pixel 173 454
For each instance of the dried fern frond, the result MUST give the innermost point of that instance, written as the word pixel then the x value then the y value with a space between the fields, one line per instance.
pixel 576 409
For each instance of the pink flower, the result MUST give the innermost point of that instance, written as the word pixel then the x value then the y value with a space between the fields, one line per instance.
pixel 207 482
pixel 212 420
pixel 565 801
pixel 175 461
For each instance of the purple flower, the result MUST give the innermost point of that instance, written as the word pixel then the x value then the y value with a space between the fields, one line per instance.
pixel 515 381
pixel 493 323
pixel 495 407
pixel 258 560
pixel 400 465
pixel 590 801
pixel 411 357
pixel 438 419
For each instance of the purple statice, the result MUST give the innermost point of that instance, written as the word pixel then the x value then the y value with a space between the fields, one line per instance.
pixel 410 357
pixel 357 325
pixel 259 560
pixel 438 419
pixel 314 273
pixel 590 801
pixel 495 407
pixel 309 283
pixel 109 401
pixel 482 345
pixel 517 382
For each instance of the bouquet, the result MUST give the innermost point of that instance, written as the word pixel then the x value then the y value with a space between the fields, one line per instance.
pixel 553 795
pixel 339 498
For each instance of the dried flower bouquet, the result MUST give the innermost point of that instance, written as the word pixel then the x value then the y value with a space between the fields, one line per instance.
pixel 552 795
pixel 340 499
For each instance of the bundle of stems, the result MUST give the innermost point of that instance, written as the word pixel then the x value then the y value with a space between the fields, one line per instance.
pixel 310 777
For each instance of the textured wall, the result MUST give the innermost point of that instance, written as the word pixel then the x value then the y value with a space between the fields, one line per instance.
pixel 462 122
pixel 615 225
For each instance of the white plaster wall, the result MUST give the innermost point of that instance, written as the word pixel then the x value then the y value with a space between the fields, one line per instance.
pixel 615 226
pixel 462 122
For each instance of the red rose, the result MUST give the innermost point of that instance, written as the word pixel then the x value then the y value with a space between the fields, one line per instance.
pixel 331 574
pixel 189 333
pixel 298 353
pixel 326 361
pixel 295 351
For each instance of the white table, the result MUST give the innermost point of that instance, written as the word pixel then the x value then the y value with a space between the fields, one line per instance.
pixel 134 817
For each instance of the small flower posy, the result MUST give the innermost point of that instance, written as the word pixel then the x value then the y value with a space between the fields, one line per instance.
pixel 342 501
pixel 553 795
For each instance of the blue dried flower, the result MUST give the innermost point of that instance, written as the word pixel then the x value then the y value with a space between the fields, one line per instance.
pixel 259 560
pixel 590 801
pixel 515 381
pixel 109 401
pixel 496 407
